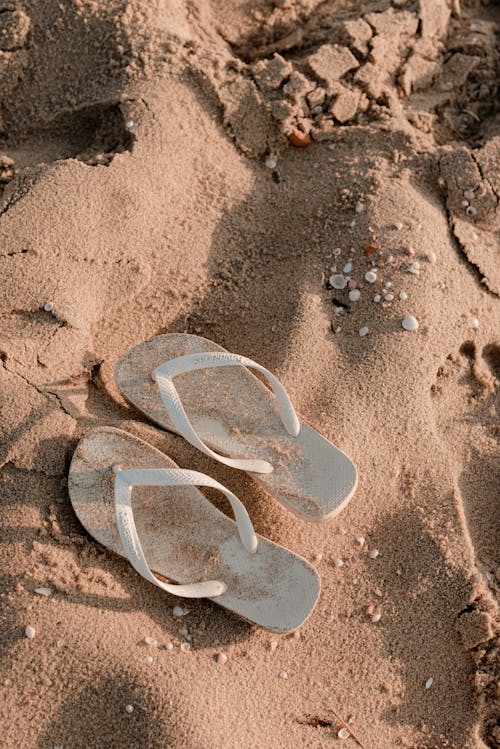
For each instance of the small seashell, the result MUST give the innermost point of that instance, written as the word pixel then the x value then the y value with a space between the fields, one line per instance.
pixel 221 659
pixel 428 683
pixel 363 331
pixel 129 124
pixel 354 295
pixel 168 645
pixel 30 632
pixel 410 323
pixel 338 281
pixel 343 733
pixel 337 251
pixel 185 647
pixel 43 592
pixel 376 617
pixel 360 540
pixel 129 709
pixel 270 163
pixel 470 210
pixel 150 641
pixel 389 297
pixel 377 298
pixel 474 323
pixel 148 659
pixel 370 276
pixel 179 611
pixel 374 553
pixel 48 306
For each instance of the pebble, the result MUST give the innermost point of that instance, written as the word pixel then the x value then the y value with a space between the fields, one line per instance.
pixel 389 297
pixel 398 226
pixel 283 675
pixel 338 328
pixel 347 267
pixel 374 553
pixel 221 659
pixel 150 641
pixel 428 683
pixel 465 203
pixel 179 611
pixel 168 646
pixel 354 295
pixel 469 194
pixel 388 284
pixel 129 709
pixel 185 647
pixel 364 331
pixel 432 258
pixel 148 659
pixel 43 592
pixel 343 733
pixel 30 632
pixel 129 124
pixel 377 298
pixel 271 163
pixel 403 295
pixel 48 306
pixel 338 281
pixel 475 323
pixel 370 276
pixel 339 563
pixel 376 617
pixel 360 540
pixel 273 645
pixel 410 323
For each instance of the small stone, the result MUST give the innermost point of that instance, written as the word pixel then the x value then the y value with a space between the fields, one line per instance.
pixel 148 660
pixel 469 194
pixel 179 611
pixel 370 276
pixel 48 306
pixel 221 659
pixel 338 281
pixel 283 675
pixel 376 617
pixel 185 647
pixel 271 163
pixel 354 295
pixel 374 553
pixel 377 298
pixel 343 733
pixel 129 709
pixel 398 226
pixel 43 592
pixel 168 646
pixel 389 297
pixel 150 641
pixel 410 323
pixel 414 269
pixel 129 124
pixel 339 562
pixel 273 645
pixel 363 331
pixel 474 323
pixel 403 295
pixel 30 632
pixel 428 683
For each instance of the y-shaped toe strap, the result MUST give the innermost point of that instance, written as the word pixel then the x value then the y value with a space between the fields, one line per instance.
pixel 164 374
pixel 125 480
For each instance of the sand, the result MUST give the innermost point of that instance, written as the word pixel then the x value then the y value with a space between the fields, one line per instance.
pixel 135 199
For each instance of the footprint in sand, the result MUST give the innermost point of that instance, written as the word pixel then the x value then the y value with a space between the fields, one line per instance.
pixel 467 400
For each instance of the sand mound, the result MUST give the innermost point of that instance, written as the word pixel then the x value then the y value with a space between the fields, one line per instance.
pixel 150 181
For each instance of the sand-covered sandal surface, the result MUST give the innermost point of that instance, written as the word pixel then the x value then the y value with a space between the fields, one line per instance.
pixel 192 386
pixel 138 503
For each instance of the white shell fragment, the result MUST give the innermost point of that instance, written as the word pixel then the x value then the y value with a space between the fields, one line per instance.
pixel 410 323
pixel 338 281
pixel 168 646
pixel 360 540
pixel 339 563
pixel 179 611
pixel 377 298
pixel 43 592
pixel 270 163
pixel 150 641
pixel 148 660
pixel 185 647
pixel 354 295
pixel 403 295
pixel 474 323
pixel 48 306
pixel 30 632
pixel 374 553
pixel 221 659
pixel 343 733
pixel 129 124
pixel 376 617
pixel 370 276
pixel 389 297
pixel 129 709
pixel 428 683
pixel 414 268
pixel 364 331
pixel 398 226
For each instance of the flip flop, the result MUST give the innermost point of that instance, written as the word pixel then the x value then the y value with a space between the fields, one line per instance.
pixel 232 412
pixel 168 526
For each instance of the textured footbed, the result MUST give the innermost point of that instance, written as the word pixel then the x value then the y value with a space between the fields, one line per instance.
pixel 237 416
pixel 185 538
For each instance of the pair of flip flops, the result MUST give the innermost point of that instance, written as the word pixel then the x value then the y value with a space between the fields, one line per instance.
pixel 137 502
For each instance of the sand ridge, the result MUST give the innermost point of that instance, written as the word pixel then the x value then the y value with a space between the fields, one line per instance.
pixel 139 202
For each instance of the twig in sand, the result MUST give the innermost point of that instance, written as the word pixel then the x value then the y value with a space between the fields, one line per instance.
pixel 347 727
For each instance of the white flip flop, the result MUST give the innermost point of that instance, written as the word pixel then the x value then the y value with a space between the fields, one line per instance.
pixel 138 503
pixel 232 412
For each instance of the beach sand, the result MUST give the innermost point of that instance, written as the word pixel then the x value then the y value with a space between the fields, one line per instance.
pixel 149 183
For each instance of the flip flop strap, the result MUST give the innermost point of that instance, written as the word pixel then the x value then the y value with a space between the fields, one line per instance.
pixel 164 374
pixel 125 480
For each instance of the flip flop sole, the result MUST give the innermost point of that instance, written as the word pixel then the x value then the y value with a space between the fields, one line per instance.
pixel 185 538
pixel 236 415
